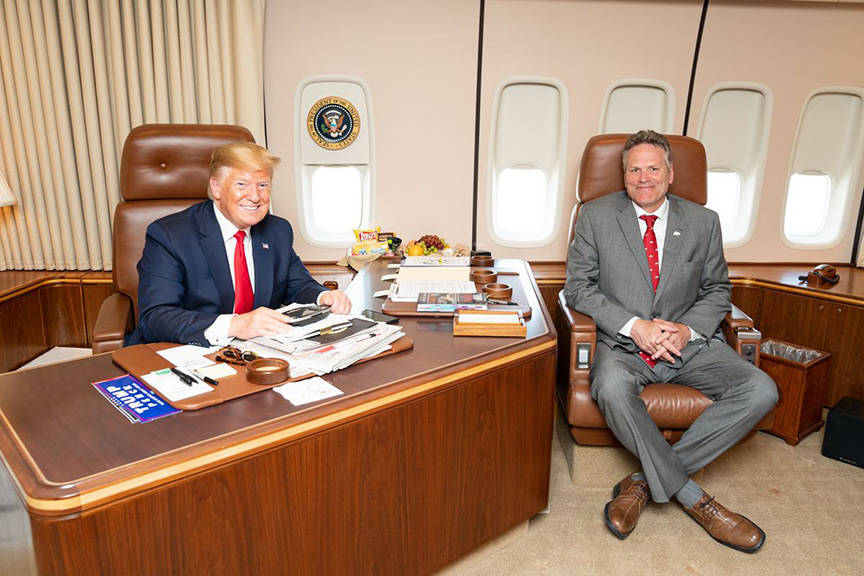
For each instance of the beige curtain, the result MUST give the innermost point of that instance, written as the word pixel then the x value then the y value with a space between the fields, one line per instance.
pixel 77 75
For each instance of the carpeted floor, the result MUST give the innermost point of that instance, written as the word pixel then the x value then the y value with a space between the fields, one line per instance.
pixel 811 508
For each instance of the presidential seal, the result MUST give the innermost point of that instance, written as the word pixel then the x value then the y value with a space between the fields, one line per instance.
pixel 333 123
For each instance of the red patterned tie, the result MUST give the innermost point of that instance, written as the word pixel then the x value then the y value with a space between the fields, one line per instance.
pixel 243 297
pixel 649 240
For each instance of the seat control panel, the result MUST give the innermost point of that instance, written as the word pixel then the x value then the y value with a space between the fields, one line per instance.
pixel 748 352
pixel 583 355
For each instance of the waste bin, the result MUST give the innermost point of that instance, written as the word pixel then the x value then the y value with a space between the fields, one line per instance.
pixel 801 375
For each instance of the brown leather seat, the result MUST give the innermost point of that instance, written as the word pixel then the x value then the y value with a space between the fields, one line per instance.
pixel 673 407
pixel 164 169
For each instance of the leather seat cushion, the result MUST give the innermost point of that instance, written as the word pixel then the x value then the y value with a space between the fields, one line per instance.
pixel 670 405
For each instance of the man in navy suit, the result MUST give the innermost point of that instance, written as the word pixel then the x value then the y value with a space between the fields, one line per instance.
pixel 219 268
pixel 649 269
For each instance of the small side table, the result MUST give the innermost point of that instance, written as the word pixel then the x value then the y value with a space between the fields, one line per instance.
pixel 801 375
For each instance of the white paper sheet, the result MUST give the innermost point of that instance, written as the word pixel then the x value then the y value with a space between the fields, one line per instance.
pixel 307 391
pixel 188 356
pixel 170 386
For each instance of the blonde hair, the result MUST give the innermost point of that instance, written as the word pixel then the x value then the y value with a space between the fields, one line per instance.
pixel 243 156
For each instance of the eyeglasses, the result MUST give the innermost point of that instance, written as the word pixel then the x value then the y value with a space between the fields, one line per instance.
pixel 233 355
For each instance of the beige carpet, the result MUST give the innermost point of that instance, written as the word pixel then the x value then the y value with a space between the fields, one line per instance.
pixel 811 508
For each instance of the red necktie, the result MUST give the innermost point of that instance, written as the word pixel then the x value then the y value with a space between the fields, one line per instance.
pixel 649 240
pixel 243 297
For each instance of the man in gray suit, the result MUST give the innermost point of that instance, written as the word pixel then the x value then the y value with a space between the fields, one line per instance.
pixel 649 269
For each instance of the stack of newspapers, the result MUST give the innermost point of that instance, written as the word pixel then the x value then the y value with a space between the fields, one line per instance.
pixel 336 342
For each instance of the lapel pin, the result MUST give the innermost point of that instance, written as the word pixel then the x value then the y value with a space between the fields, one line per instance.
pixel 676 233
pixel 266 246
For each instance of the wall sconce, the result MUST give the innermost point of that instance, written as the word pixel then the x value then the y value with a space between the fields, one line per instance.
pixel 7 198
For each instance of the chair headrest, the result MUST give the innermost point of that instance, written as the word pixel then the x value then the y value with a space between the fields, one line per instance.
pixel 602 173
pixel 172 160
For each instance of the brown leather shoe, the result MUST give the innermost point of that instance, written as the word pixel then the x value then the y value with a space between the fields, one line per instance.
pixel 725 526
pixel 629 498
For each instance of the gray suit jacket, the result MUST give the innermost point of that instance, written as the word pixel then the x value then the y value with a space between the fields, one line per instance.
pixel 608 278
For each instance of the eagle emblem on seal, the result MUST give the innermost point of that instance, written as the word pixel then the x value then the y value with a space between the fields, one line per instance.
pixel 333 123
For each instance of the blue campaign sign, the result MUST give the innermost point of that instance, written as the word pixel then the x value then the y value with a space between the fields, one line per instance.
pixel 134 400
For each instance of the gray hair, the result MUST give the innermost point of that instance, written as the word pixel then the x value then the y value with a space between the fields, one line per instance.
pixel 647 137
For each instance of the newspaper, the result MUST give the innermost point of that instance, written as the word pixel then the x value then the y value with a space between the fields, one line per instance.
pixel 306 356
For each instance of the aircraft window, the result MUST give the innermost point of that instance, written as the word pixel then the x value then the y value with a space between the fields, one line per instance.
pixel 734 128
pixel 825 167
pixel 724 191
pixel 632 105
pixel 807 204
pixel 523 202
pixel 527 159
pixel 336 199
pixel 334 159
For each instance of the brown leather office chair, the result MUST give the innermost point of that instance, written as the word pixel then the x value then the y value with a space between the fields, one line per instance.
pixel 673 407
pixel 164 169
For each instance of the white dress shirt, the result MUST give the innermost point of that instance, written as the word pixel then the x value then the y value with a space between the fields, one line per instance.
pixel 217 333
pixel 662 214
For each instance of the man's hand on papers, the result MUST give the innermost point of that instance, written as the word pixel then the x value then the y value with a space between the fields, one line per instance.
pixel 337 300
pixel 260 322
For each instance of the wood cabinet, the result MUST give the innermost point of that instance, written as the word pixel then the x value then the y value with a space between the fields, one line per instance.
pixel 22 330
pixel 794 318
pixel 843 339
pixel 48 309
pixel 814 322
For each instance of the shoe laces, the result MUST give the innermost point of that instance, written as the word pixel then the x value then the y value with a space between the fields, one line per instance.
pixel 641 492
pixel 709 508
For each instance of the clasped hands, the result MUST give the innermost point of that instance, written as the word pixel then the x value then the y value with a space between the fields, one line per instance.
pixel 662 339
pixel 266 321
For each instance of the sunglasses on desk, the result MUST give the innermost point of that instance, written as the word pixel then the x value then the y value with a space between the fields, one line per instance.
pixel 233 355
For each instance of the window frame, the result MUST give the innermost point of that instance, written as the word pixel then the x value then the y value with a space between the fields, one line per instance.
pixel 555 173
pixel 304 171
pixel 844 186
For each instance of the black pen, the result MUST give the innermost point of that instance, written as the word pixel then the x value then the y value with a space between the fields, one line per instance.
pixel 206 379
pixel 189 380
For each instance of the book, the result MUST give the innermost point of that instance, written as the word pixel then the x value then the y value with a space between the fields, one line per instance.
pixel 449 301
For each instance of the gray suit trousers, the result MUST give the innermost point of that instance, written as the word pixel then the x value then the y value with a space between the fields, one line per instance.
pixel 741 394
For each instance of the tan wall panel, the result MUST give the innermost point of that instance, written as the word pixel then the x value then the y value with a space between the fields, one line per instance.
pixel 420 61
pixel 587 45
pixel 793 48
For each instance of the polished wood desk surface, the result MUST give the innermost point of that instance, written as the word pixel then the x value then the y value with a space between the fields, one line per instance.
pixel 70 450
pixel 850 288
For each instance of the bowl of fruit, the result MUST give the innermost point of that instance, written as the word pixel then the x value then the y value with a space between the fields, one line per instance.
pixel 426 245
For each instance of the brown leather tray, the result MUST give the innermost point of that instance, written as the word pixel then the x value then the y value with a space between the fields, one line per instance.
pixel 410 308
pixel 143 359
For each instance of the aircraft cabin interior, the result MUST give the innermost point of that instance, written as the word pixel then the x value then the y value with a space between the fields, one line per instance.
pixel 493 142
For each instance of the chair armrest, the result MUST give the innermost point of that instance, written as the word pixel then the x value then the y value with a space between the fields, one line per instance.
pixel 113 323
pixel 741 335
pixel 579 332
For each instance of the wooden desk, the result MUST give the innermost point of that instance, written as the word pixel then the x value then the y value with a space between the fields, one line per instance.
pixel 429 454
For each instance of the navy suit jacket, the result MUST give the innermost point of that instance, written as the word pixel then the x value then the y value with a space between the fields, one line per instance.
pixel 184 281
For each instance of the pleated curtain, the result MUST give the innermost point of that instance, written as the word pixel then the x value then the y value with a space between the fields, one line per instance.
pixel 77 75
